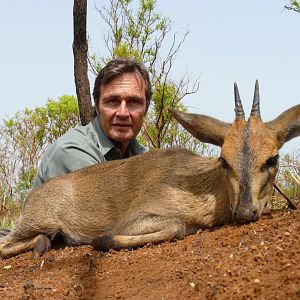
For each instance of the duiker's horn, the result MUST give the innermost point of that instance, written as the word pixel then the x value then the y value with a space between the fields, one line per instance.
pixel 255 111
pixel 239 110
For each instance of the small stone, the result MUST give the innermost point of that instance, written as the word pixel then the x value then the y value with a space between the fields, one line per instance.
pixel 42 263
pixel 195 286
pixel 7 267
pixel 231 255
pixel 287 233
pixel 258 257
pixel 256 280
pixel 28 285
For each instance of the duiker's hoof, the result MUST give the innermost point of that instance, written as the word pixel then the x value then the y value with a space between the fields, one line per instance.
pixel 42 245
pixel 103 243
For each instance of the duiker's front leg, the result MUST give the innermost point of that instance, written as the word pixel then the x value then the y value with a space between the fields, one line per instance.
pixel 39 244
pixel 148 230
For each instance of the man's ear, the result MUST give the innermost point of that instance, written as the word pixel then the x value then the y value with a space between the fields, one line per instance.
pixel 95 112
pixel 96 109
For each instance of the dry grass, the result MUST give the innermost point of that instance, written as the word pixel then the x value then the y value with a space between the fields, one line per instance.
pixel 288 179
pixel 9 213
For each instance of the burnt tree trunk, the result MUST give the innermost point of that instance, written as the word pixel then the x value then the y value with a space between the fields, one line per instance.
pixel 80 51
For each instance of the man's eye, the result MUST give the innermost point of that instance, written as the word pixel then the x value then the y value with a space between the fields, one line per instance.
pixel 112 102
pixel 134 101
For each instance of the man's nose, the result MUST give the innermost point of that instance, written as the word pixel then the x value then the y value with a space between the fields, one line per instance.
pixel 123 109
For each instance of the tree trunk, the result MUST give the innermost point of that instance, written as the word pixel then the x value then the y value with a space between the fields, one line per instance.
pixel 80 50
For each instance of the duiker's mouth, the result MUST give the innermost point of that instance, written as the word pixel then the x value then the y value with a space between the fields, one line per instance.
pixel 246 214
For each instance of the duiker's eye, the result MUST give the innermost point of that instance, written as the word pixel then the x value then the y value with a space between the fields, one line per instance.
pixel 223 162
pixel 272 162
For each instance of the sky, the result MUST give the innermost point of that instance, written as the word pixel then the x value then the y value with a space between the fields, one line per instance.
pixel 229 41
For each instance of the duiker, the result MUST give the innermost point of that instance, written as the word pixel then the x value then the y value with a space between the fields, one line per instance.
pixel 164 194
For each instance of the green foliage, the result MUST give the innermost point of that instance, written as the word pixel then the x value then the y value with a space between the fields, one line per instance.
pixel 23 139
pixel 294 5
pixel 139 32
pixel 133 32
pixel 62 115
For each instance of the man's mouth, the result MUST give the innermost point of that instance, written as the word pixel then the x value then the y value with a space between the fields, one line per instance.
pixel 122 127
pixel 122 124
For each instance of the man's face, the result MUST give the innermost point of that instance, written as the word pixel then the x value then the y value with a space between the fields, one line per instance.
pixel 121 107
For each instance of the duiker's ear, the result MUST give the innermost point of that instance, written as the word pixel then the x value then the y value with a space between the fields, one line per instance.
pixel 287 125
pixel 204 128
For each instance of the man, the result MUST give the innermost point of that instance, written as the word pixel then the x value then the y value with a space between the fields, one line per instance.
pixel 122 94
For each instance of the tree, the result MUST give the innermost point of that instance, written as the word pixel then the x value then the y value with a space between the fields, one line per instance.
pixel 80 50
pixel 141 33
pixel 294 5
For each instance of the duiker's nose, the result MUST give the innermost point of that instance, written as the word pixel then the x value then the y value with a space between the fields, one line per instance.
pixel 246 214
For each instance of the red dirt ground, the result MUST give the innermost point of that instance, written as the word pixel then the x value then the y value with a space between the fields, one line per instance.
pixel 253 261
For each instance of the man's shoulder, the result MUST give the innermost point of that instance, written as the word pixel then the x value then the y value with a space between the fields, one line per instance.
pixel 77 135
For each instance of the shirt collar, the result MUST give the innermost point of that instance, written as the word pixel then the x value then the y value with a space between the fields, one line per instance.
pixel 105 144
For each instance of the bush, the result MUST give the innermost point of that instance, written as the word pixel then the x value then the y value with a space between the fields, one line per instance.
pixel 23 140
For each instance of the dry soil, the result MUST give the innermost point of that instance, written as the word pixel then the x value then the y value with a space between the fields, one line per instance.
pixel 253 261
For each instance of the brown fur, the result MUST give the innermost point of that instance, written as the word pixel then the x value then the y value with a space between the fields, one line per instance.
pixel 161 195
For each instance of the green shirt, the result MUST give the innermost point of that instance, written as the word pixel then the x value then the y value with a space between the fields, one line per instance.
pixel 80 147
